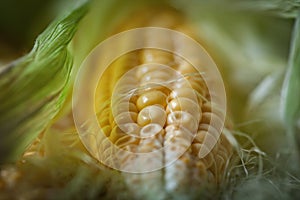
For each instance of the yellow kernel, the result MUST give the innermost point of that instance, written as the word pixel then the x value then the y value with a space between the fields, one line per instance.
pixel 155 86
pixel 178 136
pixel 182 119
pixel 200 136
pixel 131 128
pixel 106 130
pixel 209 129
pixel 185 104
pixel 151 98
pixel 116 133
pixel 126 117
pixel 201 170
pixel 151 130
pixel 144 69
pixel 157 56
pixel 126 140
pixel 185 92
pixel 156 77
pixel 185 67
pixel 190 82
pixel 125 107
pixel 103 117
pixel 152 114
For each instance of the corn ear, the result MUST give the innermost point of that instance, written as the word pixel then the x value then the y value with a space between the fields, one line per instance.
pixel 160 118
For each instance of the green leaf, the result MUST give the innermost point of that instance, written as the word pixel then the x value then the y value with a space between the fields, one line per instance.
pixel 33 88
pixel 291 87
pixel 282 8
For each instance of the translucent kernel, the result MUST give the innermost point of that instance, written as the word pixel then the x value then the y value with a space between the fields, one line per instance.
pixel 125 107
pixel 185 104
pixel 155 76
pixel 152 114
pixel 151 98
pixel 125 117
pixel 151 130
pixel 183 119
pixel 116 133
pixel 185 92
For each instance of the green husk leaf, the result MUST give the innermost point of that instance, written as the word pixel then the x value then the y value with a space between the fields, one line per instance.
pixel 282 8
pixel 33 88
pixel 291 87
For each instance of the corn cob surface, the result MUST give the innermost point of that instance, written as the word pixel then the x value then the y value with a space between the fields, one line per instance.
pixel 170 120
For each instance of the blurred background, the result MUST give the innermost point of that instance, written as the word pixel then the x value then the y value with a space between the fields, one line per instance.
pixel 21 22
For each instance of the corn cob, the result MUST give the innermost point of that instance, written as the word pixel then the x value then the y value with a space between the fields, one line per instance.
pixel 161 120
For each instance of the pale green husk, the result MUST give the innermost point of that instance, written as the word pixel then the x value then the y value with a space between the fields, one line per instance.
pixel 291 92
pixel 33 88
